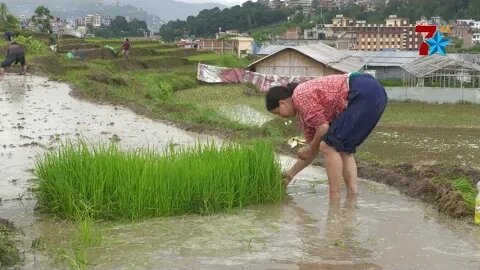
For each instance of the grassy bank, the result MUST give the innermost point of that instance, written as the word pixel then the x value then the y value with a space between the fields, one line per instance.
pixel 103 182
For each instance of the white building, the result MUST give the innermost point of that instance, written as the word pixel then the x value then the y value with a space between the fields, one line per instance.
pixel 89 20
pixel 97 20
pixel 81 31
pixel 476 38
pixel 473 24
pixel 107 21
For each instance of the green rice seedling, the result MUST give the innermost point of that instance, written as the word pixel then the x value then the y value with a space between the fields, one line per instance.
pixel 102 182
pixel 468 191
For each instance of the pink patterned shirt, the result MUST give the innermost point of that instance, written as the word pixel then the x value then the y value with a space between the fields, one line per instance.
pixel 319 101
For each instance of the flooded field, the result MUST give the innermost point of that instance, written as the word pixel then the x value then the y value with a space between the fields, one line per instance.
pixel 412 144
pixel 383 230
pixel 246 115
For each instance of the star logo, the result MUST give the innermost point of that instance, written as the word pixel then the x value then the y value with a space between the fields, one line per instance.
pixel 437 44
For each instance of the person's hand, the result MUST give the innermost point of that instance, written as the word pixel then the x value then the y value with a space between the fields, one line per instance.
pixel 286 177
pixel 306 153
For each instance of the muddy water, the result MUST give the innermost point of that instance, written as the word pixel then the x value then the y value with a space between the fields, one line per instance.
pixel 245 115
pixel 384 230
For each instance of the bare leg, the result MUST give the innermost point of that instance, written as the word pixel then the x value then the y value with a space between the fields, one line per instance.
pixel 334 166
pixel 350 174
pixel 2 71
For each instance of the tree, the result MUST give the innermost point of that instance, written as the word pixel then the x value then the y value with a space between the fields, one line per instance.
pixel 120 23
pixel 121 28
pixel 246 17
pixel 42 18
pixel 6 18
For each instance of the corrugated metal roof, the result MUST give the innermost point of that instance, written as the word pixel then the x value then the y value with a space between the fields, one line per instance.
pixel 429 64
pixel 321 53
pixel 385 58
pixel 469 57
pixel 271 49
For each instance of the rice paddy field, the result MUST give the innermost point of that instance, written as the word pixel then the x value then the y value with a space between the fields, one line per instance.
pixel 103 182
pixel 114 167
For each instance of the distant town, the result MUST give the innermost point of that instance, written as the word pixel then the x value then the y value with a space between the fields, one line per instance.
pixel 342 31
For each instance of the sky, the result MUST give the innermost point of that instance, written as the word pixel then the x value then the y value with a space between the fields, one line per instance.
pixel 227 2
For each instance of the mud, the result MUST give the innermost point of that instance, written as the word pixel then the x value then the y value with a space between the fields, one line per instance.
pixel 431 184
pixel 392 145
pixel 383 230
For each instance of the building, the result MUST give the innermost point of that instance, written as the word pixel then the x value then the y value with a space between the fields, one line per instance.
pixel 395 34
pixel 333 4
pixel 385 64
pixel 476 38
pixel 88 20
pixel 307 60
pixel 441 71
pixel 317 33
pixel 341 20
pixel 107 21
pixel 305 4
pixel 472 23
pixel 97 21
pixel 463 31
pixel 245 45
pixel 292 33
pixel 218 46
pixel 276 4
pixel 188 43
pixel 81 31
pixel 393 20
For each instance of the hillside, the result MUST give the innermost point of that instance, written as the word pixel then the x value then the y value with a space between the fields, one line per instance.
pixel 150 11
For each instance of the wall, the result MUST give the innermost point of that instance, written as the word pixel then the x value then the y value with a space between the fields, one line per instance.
pixel 382 73
pixel 434 95
pixel 219 46
pixel 292 63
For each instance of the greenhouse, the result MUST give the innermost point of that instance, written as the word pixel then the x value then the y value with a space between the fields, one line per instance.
pixel 441 71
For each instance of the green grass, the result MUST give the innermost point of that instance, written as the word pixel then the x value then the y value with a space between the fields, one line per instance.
pixel 103 182
pixel 161 85
pixel 9 253
pixel 223 60
pixel 468 191
pixel 213 96
pixel 432 115
pixel 391 82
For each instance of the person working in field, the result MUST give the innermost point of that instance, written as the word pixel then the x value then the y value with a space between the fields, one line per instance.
pixel 8 35
pixel 336 113
pixel 126 48
pixel 15 55
pixel 52 38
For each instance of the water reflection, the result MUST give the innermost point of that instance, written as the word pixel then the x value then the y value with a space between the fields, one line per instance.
pixel 335 239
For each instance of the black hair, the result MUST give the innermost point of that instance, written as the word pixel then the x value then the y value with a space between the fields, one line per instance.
pixel 127 39
pixel 277 93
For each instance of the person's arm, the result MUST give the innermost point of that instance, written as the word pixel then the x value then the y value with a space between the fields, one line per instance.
pixel 307 153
